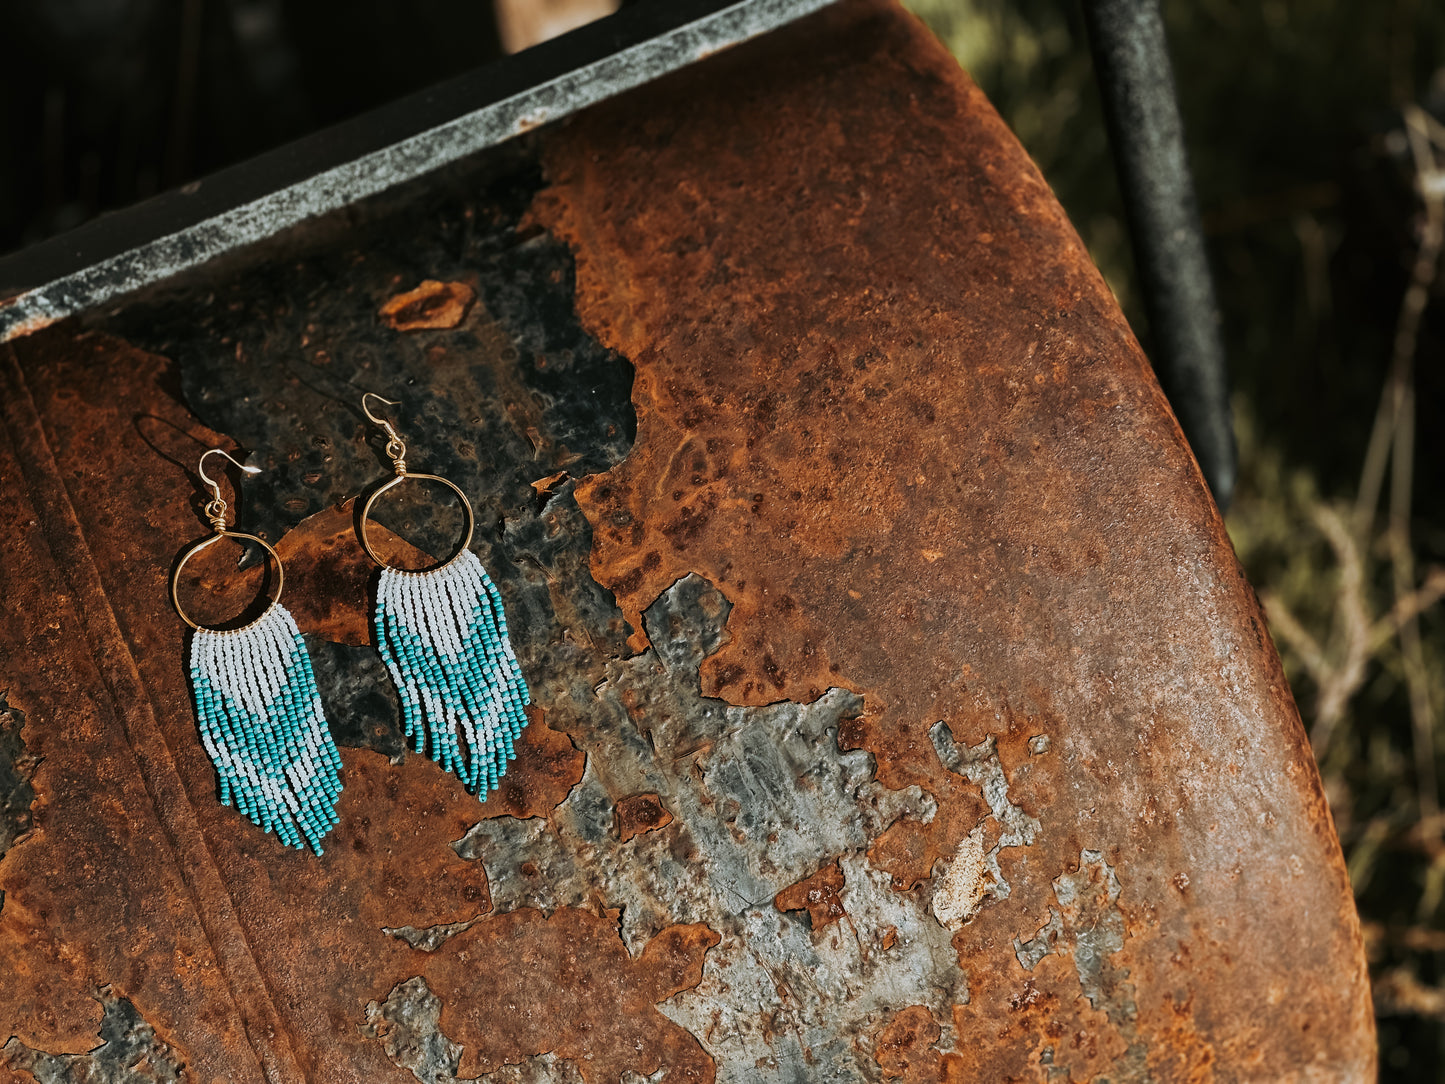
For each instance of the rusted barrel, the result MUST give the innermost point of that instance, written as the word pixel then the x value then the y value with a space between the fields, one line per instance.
pixel 899 708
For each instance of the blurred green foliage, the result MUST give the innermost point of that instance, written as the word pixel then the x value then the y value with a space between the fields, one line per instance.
pixel 1307 187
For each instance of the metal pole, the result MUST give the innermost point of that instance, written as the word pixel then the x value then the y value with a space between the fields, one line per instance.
pixel 1137 84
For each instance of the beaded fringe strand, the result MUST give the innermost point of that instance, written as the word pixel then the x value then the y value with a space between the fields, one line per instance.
pixel 262 724
pixel 443 636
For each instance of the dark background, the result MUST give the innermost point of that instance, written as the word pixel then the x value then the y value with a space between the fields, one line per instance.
pixel 106 102
pixel 1296 114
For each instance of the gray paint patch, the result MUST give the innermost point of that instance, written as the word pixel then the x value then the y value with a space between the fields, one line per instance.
pixel 130 1052
pixel 1089 926
pixel 1043 943
pixel 430 938
pixel 1089 899
pixel 408 1024
pixel 979 764
pixel 762 799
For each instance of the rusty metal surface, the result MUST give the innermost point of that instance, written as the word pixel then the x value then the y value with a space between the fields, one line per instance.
pixel 899 709
pixel 888 407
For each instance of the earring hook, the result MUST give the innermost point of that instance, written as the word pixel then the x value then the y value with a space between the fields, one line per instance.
pixel 395 446
pixel 216 508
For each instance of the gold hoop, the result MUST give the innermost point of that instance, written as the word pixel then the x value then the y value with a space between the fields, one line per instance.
pixel 379 490
pixel 202 544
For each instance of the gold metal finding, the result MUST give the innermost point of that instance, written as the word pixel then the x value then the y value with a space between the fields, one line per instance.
pixel 216 508
pixel 396 452
pixel 395 446
pixel 216 512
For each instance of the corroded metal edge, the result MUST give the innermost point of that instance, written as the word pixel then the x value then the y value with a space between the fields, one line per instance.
pixel 85 284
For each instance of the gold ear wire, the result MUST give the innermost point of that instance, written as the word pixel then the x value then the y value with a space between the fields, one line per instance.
pixel 396 449
pixel 216 513
pixel 216 507
pixel 395 446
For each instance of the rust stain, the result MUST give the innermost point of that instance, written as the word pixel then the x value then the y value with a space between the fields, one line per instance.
pixel 904 1049
pixel 818 895
pixel 524 983
pixel 431 306
pixel 641 813
pixel 547 767
pixel 955 488
pixel 544 486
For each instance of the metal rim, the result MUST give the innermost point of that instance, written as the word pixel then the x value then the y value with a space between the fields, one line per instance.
pixel 202 544
pixel 379 490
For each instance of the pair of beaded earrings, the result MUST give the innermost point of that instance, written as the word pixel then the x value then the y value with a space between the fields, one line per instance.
pixel 441 632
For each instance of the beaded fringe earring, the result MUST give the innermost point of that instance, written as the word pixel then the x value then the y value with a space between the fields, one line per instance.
pixel 442 633
pixel 260 715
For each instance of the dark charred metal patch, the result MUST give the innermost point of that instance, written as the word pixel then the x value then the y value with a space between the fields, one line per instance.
pixel 281 355
pixel 362 707
pixel 17 769
pixel 130 1052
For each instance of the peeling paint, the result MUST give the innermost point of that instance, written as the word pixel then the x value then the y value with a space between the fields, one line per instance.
pixel 408 1025
pixel 1088 926
pixel 1089 901
pixel 979 764
pixel 960 892
pixel 430 938
pixel 762 798
pixel 1041 944
pixel 130 1052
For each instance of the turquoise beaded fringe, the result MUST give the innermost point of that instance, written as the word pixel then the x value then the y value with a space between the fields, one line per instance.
pixel 262 724
pixel 443 637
